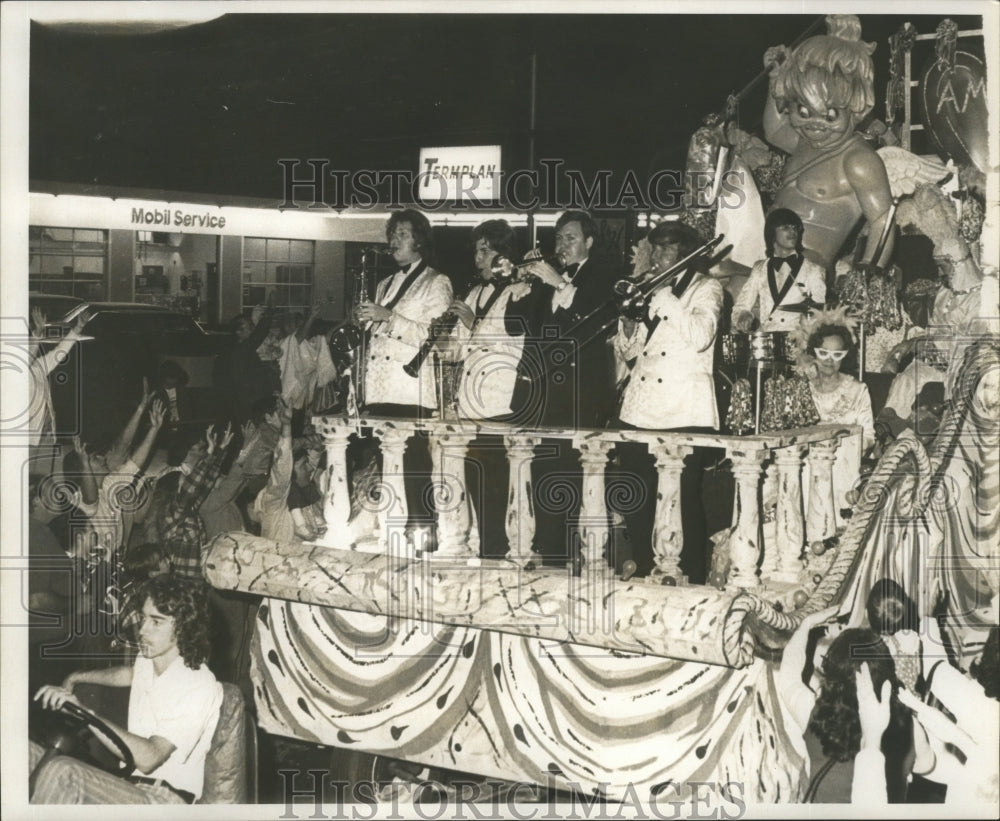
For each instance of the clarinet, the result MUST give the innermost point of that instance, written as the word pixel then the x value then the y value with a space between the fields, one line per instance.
pixel 440 328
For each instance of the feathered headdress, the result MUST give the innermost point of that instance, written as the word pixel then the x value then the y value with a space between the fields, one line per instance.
pixel 798 339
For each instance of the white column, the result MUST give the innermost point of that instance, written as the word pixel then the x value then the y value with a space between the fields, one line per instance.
pixel 668 525
pixel 451 497
pixel 520 506
pixel 594 531
pixel 744 546
pixel 392 490
pixel 337 501
pixel 789 523
pixel 821 519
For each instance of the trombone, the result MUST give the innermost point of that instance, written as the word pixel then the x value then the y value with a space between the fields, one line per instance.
pixel 632 298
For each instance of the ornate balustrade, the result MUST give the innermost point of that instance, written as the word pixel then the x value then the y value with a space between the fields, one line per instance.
pixel 370 564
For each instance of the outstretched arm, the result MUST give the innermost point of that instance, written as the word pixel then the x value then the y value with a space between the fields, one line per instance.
pixel 88 482
pixel 777 130
pixel 119 450
pixel 797 697
pixel 156 415
pixel 306 327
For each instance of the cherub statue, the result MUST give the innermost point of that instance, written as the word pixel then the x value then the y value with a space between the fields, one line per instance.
pixel 819 94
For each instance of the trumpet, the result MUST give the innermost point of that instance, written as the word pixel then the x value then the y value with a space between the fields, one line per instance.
pixel 632 296
pixel 503 268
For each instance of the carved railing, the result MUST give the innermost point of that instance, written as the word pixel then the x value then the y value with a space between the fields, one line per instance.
pixel 372 564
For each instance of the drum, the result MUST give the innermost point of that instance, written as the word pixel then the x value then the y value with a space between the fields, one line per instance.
pixel 769 346
pixel 735 348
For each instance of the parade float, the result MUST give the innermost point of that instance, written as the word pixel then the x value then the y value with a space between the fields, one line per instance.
pixel 581 680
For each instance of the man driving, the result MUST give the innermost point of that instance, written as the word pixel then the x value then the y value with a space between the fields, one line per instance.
pixel 173 708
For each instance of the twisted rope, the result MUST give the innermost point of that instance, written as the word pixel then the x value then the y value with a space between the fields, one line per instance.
pixel 738 638
pixel 739 641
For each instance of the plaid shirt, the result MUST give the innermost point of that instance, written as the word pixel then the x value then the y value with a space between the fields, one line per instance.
pixel 181 529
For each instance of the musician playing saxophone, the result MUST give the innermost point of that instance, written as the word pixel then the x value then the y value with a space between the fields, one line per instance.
pixel 400 316
pixel 671 387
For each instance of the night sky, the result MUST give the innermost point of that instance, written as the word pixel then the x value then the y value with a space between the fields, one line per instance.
pixel 211 107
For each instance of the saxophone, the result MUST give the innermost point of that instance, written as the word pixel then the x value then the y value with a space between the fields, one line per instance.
pixel 351 337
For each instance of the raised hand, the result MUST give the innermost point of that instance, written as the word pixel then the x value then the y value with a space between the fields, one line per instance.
pixel 227 436
pixel 157 413
pixel 873 708
pixel 249 432
pixel 81 320
pixel 774 57
pixel 210 439
pixel 81 450
pixel 37 321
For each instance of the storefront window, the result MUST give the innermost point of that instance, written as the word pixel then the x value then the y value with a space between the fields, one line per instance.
pixel 68 262
pixel 178 271
pixel 283 267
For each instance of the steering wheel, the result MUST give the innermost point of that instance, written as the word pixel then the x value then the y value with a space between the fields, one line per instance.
pixel 70 731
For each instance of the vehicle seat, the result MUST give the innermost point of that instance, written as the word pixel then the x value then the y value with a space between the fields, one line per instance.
pixel 231 763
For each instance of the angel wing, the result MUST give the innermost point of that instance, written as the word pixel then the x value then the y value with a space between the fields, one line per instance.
pixel 907 170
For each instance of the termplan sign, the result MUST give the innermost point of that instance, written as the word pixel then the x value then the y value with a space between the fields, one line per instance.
pixel 459 173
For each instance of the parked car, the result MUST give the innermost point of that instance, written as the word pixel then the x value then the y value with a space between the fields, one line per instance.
pixel 96 389
pixel 54 306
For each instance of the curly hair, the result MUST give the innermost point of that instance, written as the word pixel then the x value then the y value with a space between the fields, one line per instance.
pixel 187 601
pixel 835 719
pixel 835 69
pixel 420 226
pixel 824 330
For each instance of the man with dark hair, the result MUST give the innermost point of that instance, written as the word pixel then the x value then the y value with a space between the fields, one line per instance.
pixel 781 281
pixel 671 387
pixel 173 708
pixel 491 334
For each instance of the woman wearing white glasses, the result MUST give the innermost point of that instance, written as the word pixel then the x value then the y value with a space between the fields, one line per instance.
pixel 839 398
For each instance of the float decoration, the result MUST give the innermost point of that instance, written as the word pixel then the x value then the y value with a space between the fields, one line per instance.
pixel 953 101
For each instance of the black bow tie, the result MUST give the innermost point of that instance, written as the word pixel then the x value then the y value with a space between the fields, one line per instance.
pixel 571 269
pixel 791 260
